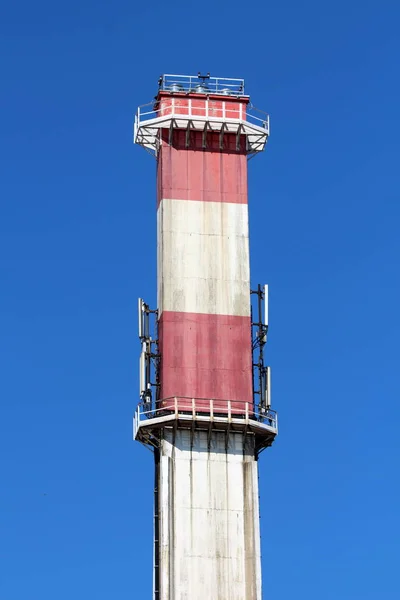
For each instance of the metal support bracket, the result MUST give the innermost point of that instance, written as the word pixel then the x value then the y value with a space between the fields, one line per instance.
pixel 150 357
pixel 221 135
pixel 204 134
pixel 261 373
pixel 172 126
pixel 238 134
pixel 187 136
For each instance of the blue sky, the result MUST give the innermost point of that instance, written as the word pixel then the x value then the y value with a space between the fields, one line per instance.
pixel 77 247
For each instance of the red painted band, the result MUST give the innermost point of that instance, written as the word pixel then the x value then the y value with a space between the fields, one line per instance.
pixel 196 174
pixel 206 356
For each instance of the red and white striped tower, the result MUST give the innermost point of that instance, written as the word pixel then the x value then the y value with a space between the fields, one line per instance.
pixel 197 384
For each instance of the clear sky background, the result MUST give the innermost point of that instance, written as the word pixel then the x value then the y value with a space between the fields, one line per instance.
pixel 77 247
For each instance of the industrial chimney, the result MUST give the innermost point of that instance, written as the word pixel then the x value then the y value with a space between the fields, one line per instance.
pixel 205 393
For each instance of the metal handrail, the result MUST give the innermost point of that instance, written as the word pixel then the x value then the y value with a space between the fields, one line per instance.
pixel 182 405
pixel 202 84
pixel 236 115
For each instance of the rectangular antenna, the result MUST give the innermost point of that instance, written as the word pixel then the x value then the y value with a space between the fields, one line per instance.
pixel 140 316
pixel 268 388
pixel 142 373
pixel 266 305
pixel 263 387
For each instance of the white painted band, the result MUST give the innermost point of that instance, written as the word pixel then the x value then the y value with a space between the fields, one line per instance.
pixel 203 257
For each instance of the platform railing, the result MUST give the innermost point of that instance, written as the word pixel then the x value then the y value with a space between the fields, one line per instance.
pixel 147 113
pixel 197 408
pixel 202 85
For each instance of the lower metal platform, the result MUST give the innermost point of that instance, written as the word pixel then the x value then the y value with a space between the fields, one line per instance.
pixel 149 422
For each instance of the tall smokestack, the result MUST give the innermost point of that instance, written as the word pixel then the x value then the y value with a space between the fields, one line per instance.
pixel 205 392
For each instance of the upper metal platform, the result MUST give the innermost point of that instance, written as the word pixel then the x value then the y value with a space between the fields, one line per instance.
pixel 201 84
pixel 226 110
